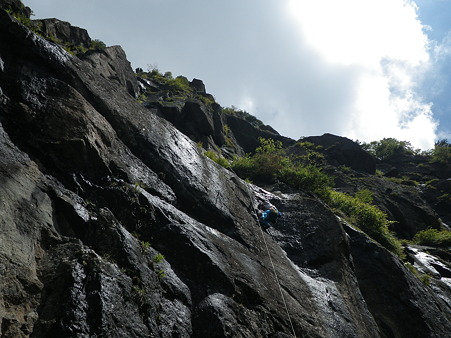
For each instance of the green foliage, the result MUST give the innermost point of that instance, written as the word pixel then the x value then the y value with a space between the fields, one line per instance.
pixel 97 44
pixel 161 274
pixel 36 28
pixel 388 148
pixel 20 17
pixel 139 294
pixel 265 164
pixel 270 163
pixel 308 153
pixel 217 158
pixel 307 178
pixel 158 258
pixel 179 85
pixel 145 247
pixel 433 237
pixel 442 152
pixel 243 114
pixel 365 196
pixel 368 218
pixel 423 277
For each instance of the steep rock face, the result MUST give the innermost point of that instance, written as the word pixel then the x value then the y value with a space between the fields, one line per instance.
pixel 95 188
pixel 64 31
pixel 199 122
pixel 112 63
pixel 342 151
pixel 247 135
pixel 403 204
pixel 393 295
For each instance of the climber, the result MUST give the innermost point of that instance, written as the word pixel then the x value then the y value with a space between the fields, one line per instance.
pixel 268 214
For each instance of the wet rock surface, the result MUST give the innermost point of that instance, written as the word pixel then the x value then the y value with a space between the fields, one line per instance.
pixel 114 224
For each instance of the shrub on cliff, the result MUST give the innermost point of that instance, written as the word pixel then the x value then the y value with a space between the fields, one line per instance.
pixel 217 158
pixel 388 148
pixel 369 218
pixel 442 152
pixel 270 163
pixel 433 237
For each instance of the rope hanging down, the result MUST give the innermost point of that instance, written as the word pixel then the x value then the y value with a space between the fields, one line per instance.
pixel 272 265
pixel 278 283
pixel 269 255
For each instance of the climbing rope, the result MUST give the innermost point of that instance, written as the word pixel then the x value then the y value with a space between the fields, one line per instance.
pixel 272 264
pixel 278 283
pixel 251 194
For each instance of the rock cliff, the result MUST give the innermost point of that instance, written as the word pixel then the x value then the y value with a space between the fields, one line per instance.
pixel 114 223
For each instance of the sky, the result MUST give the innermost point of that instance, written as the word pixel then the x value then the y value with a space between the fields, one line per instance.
pixel 362 69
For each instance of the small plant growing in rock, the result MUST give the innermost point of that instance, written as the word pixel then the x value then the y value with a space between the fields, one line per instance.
pixel 158 258
pixel 161 274
pixel 145 247
pixel 423 277
pixel 222 161
pixel 139 294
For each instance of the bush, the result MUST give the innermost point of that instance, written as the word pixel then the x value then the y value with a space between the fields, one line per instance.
pixel 388 148
pixel 364 196
pixel 306 177
pixel 270 163
pixel 217 158
pixel 442 152
pixel 243 114
pixel 368 218
pixel 433 237
pixel 178 85
pixel 97 44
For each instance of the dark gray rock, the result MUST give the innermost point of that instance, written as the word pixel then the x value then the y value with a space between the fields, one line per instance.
pixel 95 188
pixel 64 32
pixel 342 151
pixel 16 6
pixel 112 64
pixel 198 86
pixel 395 297
pixel 247 134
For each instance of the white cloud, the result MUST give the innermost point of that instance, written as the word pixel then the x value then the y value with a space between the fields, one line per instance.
pixel 306 67
pixel 384 43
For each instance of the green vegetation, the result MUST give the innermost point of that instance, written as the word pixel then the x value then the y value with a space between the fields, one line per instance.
pixel 139 294
pixel 23 19
pixel 158 258
pixel 217 158
pixel 161 274
pixel 168 88
pixel 433 237
pixel 423 277
pixel 97 44
pixel 243 114
pixel 364 196
pixel 442 152
pixel 388 148
pixel 369 218
pixel 145 247
pixel 37 29
pixel 270 164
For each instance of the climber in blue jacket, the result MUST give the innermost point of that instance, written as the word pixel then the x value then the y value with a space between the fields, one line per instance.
pixel 268 214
